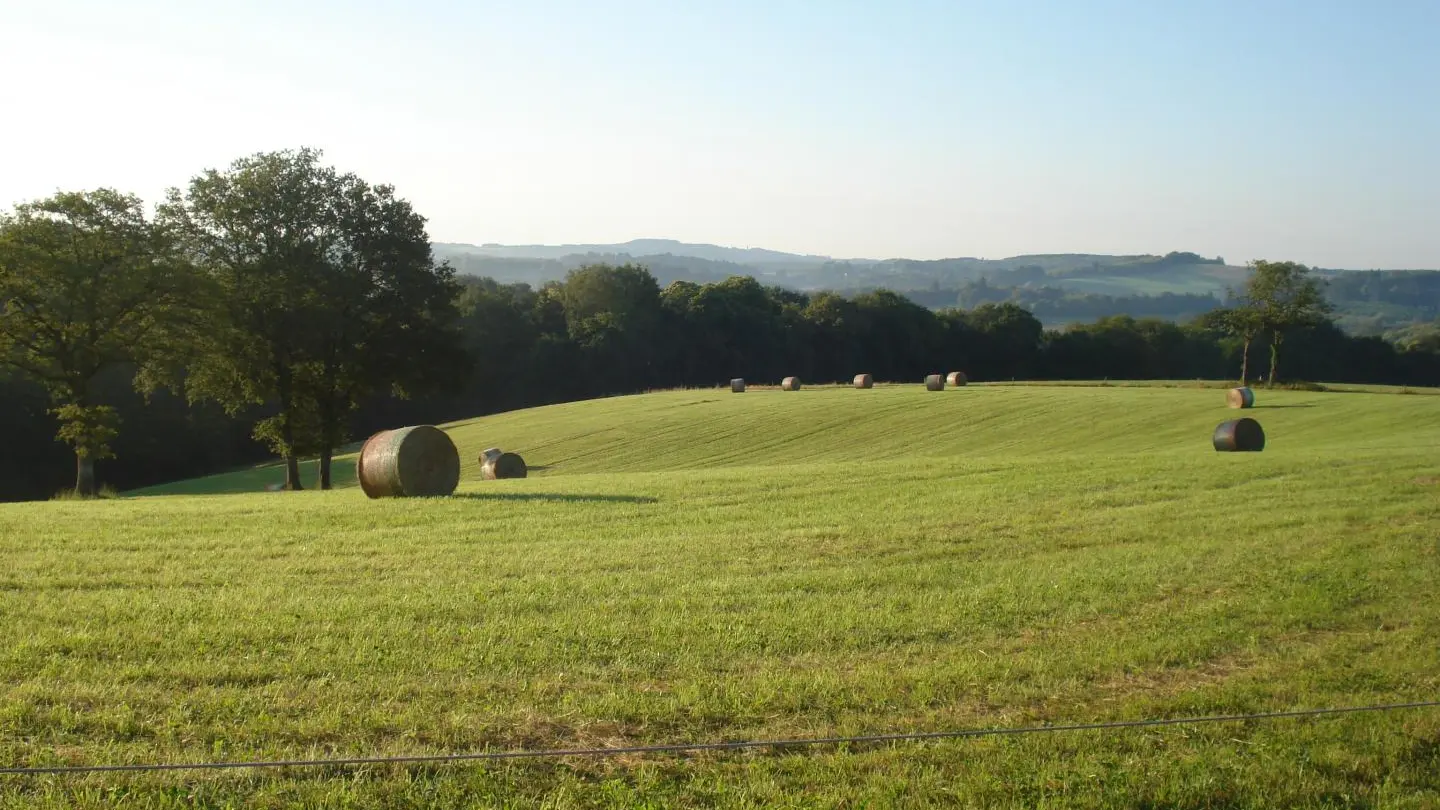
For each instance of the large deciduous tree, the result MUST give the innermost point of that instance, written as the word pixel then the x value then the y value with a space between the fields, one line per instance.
pixel 328 293
pixel 87 283
pixel 1284 297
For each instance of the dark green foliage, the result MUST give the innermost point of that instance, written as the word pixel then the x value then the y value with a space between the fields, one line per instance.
pixel 88 283
pixel 327 295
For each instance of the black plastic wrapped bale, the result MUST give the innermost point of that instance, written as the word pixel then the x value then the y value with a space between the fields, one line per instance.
pixel 864 381
pixel 934 382
pixel 955 378
pixel 504 465
pixel 1239 436
pixel 790 384
pixel 411 462
pixel 737 385
pixel 1240 398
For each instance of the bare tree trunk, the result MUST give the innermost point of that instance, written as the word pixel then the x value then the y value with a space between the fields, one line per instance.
pixel 1245 362
pixel 1274 357
pixel 325 467
pixel 287 426
pixel 84 476
pixel 292 473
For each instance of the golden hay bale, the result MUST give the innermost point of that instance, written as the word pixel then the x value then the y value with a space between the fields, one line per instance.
pixel 864 381
pixel 489 453
pixel 934 382
pixel 504 465
pixel 410 462
pixel 955 378
pixel 737 385
pixel 1240 398
pixel 1239 435
pixel 790 384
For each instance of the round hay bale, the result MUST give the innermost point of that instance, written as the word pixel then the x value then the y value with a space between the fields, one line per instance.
pixel 1239 435
pixel 737 385
pixel 790 384
pixel 955 378
pixel 410 462
pixel 864 381
pixel 934 382
pixel 488 454
pixel 505 465
pixel 1240 398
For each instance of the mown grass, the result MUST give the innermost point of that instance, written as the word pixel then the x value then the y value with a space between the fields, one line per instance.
pixel 699 566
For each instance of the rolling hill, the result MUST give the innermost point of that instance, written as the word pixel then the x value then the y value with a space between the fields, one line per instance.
pixel 712 428
pixel 700 566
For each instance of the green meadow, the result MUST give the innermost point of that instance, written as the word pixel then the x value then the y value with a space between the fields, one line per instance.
pixel 701 566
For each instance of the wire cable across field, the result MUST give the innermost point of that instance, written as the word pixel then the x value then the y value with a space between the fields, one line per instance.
pixel 712 746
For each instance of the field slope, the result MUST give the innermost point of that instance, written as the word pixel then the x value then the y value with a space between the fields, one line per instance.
pixel 701 566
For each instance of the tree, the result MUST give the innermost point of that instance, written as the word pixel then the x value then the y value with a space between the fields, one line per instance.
pixel 328 293
pixel 1244 321
pixel 1284 297
pixel 613 313
pixel 386 317
pixel 87 283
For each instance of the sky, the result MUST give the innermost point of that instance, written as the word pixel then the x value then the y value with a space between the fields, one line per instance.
pixel 1248 129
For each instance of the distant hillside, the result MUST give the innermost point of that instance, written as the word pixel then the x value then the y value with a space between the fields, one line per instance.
pixel 635 247
pixel 1060 288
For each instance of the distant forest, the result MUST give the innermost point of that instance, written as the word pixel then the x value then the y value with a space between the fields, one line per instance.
pixel 1058 289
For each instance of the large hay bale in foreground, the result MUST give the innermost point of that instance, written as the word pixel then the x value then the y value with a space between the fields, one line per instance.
pixel 790 384
pixel 505 465
pixel 737 385
pixel 410 462
pixel 1239 435
pixel 955 378
pixel 1240 398
pixel 934 382
pixel 864 381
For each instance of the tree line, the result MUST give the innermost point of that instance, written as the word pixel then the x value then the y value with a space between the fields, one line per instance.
pixel 281 307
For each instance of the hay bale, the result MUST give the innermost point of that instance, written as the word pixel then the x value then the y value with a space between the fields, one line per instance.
pixel 410 462
pixel 864 381
pixel 1239 435
pixel 955 378
pixel 934 382
pixel 504 465
pixel 1240 398
pixel 790 384
pixel 737 385
pixel 488 454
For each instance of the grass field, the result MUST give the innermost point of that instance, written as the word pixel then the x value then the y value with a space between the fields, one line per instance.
pixel 701 566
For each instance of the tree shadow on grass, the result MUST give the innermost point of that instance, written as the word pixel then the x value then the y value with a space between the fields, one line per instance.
pixel 554 496
pixel 1294 405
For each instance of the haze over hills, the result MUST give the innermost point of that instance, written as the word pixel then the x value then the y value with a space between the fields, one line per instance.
pixel 672 260
pixel 640 247
pixel 1058 288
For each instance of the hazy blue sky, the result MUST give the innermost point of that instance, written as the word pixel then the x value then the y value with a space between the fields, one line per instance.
pixel 1304 130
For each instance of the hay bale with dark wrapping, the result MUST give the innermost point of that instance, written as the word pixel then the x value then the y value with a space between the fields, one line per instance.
pixel 955 378
pixel 864 381
pixel 1240 398
pixel 790 384
pixel 504 465
pixel 1239 435
pixel 737 385
pixel 934 382
pixel 410 462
